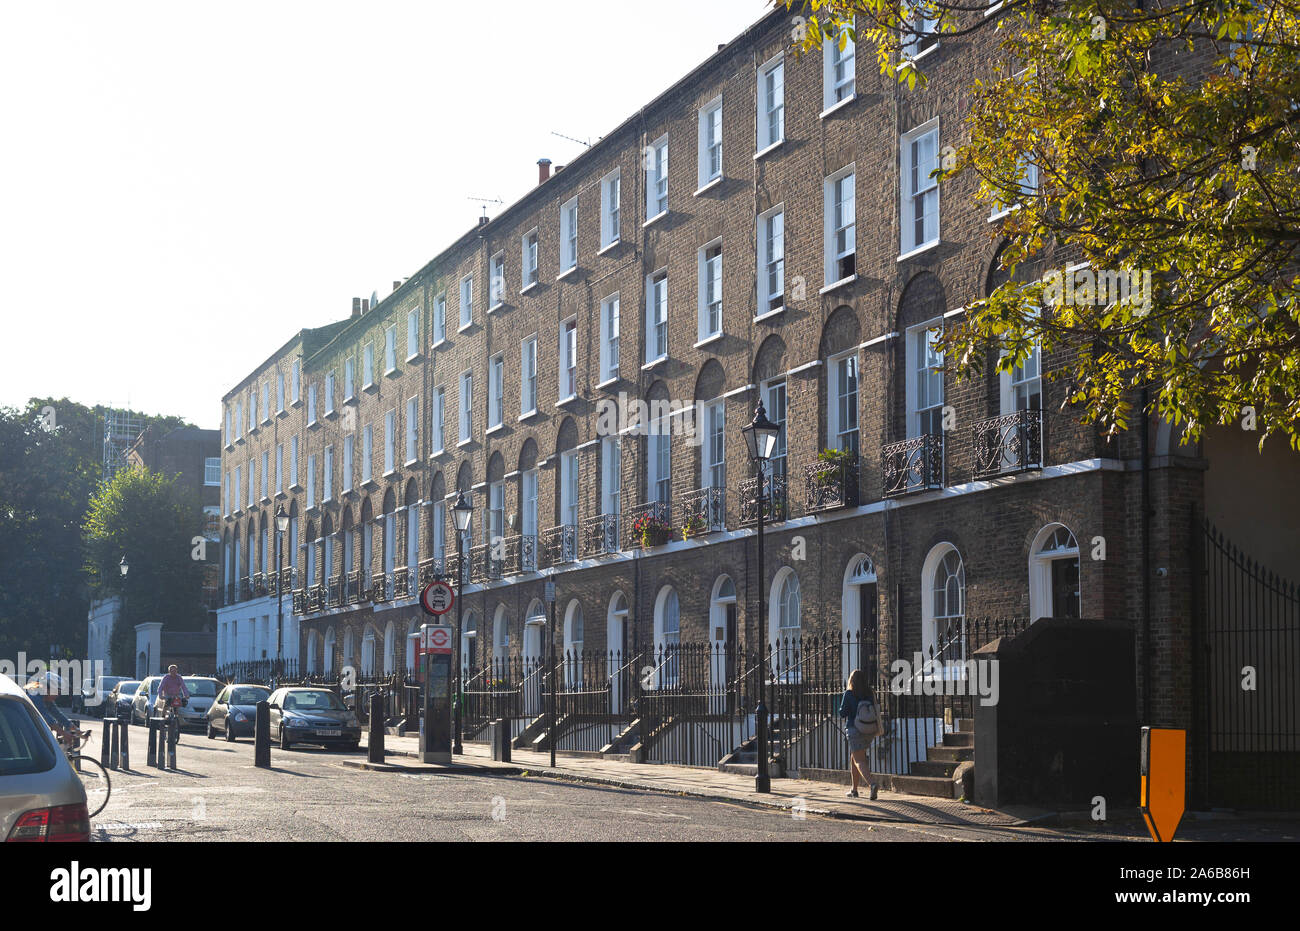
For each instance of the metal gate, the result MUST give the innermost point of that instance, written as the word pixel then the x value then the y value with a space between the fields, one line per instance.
pixel 1249 632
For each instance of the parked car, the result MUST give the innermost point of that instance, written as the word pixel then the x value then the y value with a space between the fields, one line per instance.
pixel 203 692
pixel 312 716
pixel 95 697
pixel 122 697
pixel 145 696
pixel 41 797
pixel 234 713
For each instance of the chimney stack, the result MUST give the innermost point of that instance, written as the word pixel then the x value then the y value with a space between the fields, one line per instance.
pixel 396 285
pixel 365 305
pixel 356 307
pixel 483 221
pixel 543 169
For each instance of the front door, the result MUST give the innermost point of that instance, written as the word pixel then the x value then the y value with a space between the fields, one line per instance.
pixel 869 615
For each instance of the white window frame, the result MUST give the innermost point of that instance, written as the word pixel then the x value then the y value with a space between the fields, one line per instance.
pixel 496 281
pixel 466 408
pixel 771 302
pixel 279 469
pixel 329 393
pixel 211 463
pixel 349 443
pixel 611 477
pixel 327 481
pixel 266 402
pixel 293 463
pixel 610 324
pixel 528 260
pixel 770 109
pixel 279 392
pixel 710 146
pixel 659 457
pixel 840 241
pixel 569 473
pixel 437 419
pixel 567 385
pixel 390 441
pixel 919 394
pixel 611 195
pixel 440 319
pixel 713 448
pixel 917 189
pixel 466 303
pixel 295 382
pixel 496 391
pixel 311 481
pixel 412 430
pixel 412 334
pixel 568 236
pixel 656 179
pixel 390 350
pixel 836 429
pixel 529 496
pixel 778 415
pixel 709 291
pixel 266 475
pixel 349 379
pixel 839 67
pixel 368 366
pixel 656 317
pixel 923 37
pixel 528 376
pixel 367 454
pixel 311 405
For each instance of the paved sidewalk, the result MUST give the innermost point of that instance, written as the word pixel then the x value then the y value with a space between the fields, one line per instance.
pixel 813 797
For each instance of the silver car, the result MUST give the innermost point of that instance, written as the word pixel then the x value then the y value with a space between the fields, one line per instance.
pixel 203 692
pixel 41 797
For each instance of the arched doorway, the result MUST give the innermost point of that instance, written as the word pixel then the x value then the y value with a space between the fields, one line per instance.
pixel 722 638
pixel 1054 574
pixel 943 604
pixel 615 642
pixel 860 618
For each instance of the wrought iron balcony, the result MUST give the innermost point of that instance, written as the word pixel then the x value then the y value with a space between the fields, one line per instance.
pixel 365 588
pixel 702 511
pixel 559 544
pixel 912 465
pixel 299 601
pixel 452 563
pixel 334 594
pixel 351 587
pixel 484 565
pixel 404 582
pixel 599 535
pixel 521 554
pixel 830 484
pixel 432 568
pixel 315 599
pixel 381 589
pixel 660 510
pixel 259 585
pixel 777 505
pixel 1012 443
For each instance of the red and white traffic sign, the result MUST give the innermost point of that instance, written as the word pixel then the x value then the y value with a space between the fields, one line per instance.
pixel 437 598
pixel 436 639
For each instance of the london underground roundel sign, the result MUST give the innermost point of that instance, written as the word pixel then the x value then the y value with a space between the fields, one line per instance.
pixel 437 598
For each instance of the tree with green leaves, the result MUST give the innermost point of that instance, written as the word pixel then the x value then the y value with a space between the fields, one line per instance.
pixel 151 520
pixel 1153 142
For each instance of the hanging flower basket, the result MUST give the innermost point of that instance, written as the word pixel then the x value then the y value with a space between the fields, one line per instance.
pixel 651 530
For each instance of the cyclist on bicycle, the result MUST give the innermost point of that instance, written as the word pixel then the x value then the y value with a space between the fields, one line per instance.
pixel 63 727
pixel 171 687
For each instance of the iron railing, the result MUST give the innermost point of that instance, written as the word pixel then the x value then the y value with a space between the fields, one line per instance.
pixel 432 568
pixel 702 511
pixel 1012 443
pixel 830 484
pixel 657 509
pixel 912 465
pixel 599 535
pixel 520 554
pixel 559 545
pixel 776 503
pixel 484 563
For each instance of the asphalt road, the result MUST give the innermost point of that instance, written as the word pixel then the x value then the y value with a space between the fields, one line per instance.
pixel 309 795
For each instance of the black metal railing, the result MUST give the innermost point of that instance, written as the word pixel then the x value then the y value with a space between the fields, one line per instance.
pixel 520 554
pixel 599 535
pixel 486 562
pixel 912 465
pixel 432 568
pixel 404 582
pixel 1012 443
pixel 777 502
pixel 830 484
pixel 334 591
pixel 260 672
pixel 702 511
pixel 299 601
pixel 559 545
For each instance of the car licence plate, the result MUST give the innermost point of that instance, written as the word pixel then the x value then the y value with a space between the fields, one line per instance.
pixel 328 733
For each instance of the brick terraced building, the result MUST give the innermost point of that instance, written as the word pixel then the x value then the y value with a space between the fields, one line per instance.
pixel 793 250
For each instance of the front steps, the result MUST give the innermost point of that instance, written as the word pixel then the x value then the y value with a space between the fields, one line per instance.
pixel 946 768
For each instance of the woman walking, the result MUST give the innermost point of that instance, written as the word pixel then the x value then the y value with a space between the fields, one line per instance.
pixel 855 692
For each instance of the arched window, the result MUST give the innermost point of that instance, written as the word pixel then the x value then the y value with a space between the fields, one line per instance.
pixel 668 638
pixel 390 649
pixel 500 635
pixel 328 664
pixel 573 645
pixel 943 604
pixel 1054 573
pixel 468 642
pixel 784 608
pixel 368 652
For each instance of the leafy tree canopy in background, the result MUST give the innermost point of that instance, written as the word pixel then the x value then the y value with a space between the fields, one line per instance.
pixel 1164 139
pixel 50 466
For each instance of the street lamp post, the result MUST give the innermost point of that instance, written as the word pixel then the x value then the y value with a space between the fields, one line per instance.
pixel 760 439
pixel 462 512
pixel 281 526
pixel 124 567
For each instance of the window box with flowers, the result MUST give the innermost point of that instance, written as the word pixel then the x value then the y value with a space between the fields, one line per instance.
pixel 651 530
pixel 694 525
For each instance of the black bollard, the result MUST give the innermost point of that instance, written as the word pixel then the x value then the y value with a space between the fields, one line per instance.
pixel 173 734
pixel 113 749
pixel 262 736
pixel 104 744
pixel 375 750
pixel 151 755
pixel 124 725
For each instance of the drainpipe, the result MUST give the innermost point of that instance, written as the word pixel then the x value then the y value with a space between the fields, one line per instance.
pixel 1146 558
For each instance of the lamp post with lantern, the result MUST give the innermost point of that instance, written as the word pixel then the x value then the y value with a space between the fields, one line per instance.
pixel 281 527
pixel 760 440
pixel 462 513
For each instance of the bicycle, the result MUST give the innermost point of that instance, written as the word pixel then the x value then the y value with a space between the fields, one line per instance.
pixel 97 773
pixel 172 719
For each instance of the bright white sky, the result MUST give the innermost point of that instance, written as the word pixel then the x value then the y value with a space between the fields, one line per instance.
pixel 183 186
